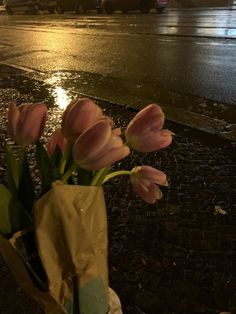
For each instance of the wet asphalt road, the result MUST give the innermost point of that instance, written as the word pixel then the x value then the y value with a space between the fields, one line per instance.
pixel 183 58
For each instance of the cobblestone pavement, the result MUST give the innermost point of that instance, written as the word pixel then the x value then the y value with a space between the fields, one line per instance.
pixel 177 256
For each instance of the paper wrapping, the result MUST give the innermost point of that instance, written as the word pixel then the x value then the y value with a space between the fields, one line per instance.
pixel 71 235
pixel 19 271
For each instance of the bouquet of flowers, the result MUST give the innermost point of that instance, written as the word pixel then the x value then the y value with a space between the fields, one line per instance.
pixel 55 217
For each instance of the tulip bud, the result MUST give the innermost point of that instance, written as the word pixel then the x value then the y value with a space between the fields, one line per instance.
pixel 57 140
pixel 145 179
pixel 144 132
pixel 99 147
pixel 79 116
pixel 26 122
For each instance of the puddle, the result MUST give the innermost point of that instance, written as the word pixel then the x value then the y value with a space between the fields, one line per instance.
pixel 59 88
pixel 73 83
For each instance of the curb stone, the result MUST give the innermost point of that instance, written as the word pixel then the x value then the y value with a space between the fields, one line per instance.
pixel 180 116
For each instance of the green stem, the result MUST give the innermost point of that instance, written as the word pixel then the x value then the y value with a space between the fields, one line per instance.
pixel 99 177
pixel 68 173
pixel 20 164
pixel 116 173
pixel 64 158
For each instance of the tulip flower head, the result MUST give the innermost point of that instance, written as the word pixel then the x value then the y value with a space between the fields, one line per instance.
pixel 99 147
pixel 26 122
pixel 79 116
pixel 89 146
pixel 57 140
pixel 144 132
pixel 145 181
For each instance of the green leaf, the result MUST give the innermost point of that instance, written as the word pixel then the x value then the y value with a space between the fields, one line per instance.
pixel 5 198
pixel 84 176
pixel 48 171
pixel 26 246
pixel 12 170
pixel 56 157
pixel 12 215
pixel 70 160
pixel 26 188
pixel 19 217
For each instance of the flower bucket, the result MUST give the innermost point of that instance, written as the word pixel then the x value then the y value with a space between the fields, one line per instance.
pixel 77 271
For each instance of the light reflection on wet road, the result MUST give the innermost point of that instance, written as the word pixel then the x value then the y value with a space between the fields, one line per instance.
pixel 152 56
pixel 205 23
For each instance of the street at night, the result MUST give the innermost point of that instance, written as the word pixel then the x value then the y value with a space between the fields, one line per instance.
pixel 175 256
pixel 165 58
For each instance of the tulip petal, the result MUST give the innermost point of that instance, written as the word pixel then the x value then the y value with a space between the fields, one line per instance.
pixel 32 121
pixel 114 142
pixel 13 117
pixel 145 179
pixel 153 141
pixel 57 140
pixel 149 195
pixel 79 115
pixel 151 116
pixel 154 175
pixel 109 158
pixel 144 132
pixel 92 142
pixel 26 122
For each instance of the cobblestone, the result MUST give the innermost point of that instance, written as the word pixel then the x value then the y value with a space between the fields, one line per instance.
pixel 177 256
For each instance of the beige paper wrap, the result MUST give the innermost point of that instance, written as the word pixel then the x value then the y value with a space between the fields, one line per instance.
pixel 71 234
pixel 18 269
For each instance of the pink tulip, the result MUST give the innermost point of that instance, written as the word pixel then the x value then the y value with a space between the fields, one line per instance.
pixel 144 132
pixel 26 122
pixel 79 116
pixel 99 147
pixel 145 179
pixel 57 140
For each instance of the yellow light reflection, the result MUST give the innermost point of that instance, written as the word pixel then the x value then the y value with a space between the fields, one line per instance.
pixel 61 97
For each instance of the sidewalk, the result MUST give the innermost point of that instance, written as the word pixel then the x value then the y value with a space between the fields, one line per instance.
pixel 232 7
pixel 177 256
